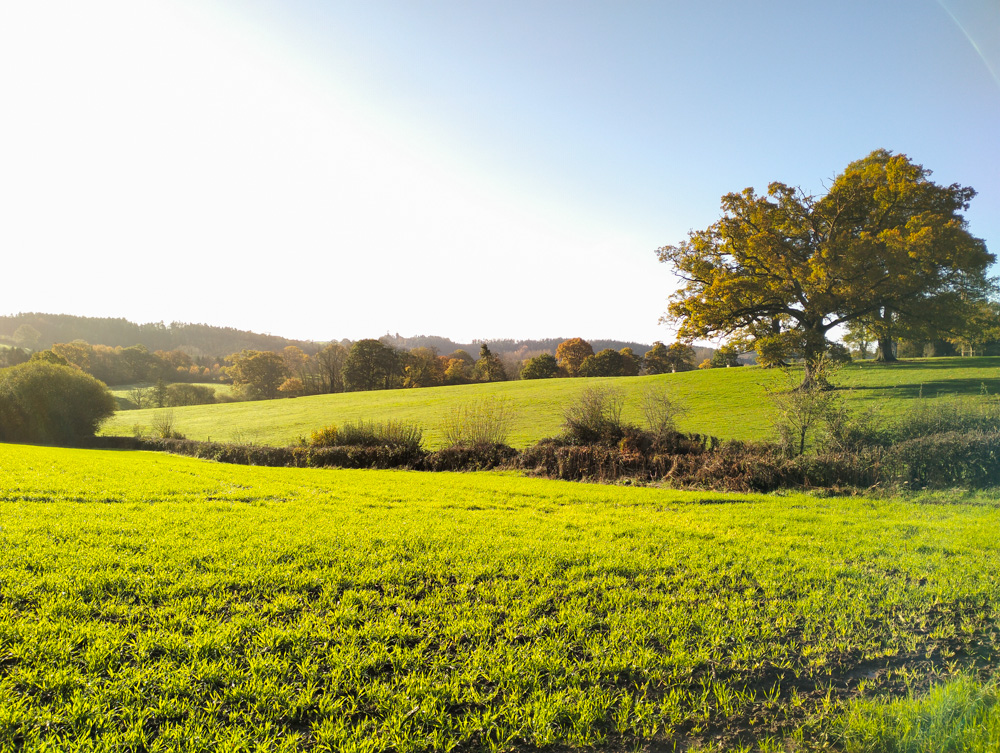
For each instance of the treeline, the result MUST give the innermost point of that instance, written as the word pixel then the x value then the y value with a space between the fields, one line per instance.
pixel 364 365
pixel 36 331
pixel 376 365
pixel 116 365
pixel 39 331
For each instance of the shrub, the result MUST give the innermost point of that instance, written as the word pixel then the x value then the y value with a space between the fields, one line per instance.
pixel 48 402
pixel 361 456
pixel 947 413
pixel 595 417
pixel 660 412
pixel 163 425
pixel 487 422
pixel 399 434
pixel 478 457
pixel 798 412
pixel 970 459
pixel 325 437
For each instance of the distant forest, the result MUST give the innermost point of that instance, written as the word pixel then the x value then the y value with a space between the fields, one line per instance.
pixel 37 331
pixel 41 331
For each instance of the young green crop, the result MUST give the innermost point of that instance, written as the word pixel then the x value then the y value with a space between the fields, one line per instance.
pixel 163 603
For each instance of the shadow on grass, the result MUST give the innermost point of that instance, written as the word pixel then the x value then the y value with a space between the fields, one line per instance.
pixel 933 388
pixel 955 362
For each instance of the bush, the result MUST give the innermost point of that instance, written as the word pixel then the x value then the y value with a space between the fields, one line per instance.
pixel 661 413
pixel 51 403
pixel 163 425
pixel 948 413
pixel 487 422
pixel 970 459
pixel 361 456
pixel 397 434
pixel 477 457
pixel 595 417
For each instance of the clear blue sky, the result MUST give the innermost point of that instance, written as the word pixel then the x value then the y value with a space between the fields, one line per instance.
pixel 468 169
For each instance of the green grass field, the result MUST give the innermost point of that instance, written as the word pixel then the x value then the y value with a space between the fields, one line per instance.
pixel 728 403
pixel 153 602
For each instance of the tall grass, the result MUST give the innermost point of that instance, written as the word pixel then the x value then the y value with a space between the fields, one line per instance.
pixel 960 715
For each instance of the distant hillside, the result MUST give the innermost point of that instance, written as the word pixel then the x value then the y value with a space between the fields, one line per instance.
pixel 519 348
pixel 40 331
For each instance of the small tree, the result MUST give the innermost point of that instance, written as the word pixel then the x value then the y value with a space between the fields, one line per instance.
pixel 142 397
pixel 489 367
pixel 801 411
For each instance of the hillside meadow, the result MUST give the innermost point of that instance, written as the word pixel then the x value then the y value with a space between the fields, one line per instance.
pixel 154 602
pixel 727 403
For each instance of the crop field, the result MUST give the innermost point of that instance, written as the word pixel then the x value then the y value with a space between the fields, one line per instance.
pixel 727 403
pixel 153 602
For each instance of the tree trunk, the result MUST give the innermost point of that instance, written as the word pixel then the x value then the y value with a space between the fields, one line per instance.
pixel 886 352
pixel 814 346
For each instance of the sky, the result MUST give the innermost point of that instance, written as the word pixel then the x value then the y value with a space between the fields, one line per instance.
pixel 475 170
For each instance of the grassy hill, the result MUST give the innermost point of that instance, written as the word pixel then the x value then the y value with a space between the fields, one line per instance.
pixel 152 602
pixel 728 403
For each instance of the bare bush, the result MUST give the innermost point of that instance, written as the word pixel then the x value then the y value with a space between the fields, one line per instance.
pixel 142 397
pixel 596 416
pixel 488 421
pixel 661 413
pixel 163 425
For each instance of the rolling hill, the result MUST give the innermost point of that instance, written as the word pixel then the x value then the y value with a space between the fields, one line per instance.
pixel 727 403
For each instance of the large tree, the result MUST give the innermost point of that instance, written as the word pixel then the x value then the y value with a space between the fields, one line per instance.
pixel 257 373
pixel 786 268
pixel 372 365
pixel 571 353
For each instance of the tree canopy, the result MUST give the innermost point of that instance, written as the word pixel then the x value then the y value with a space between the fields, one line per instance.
pixel 542 366
pixel 571 353
pixel 780 271
pixel 41 401
pixel 258 374
pixel 372 365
